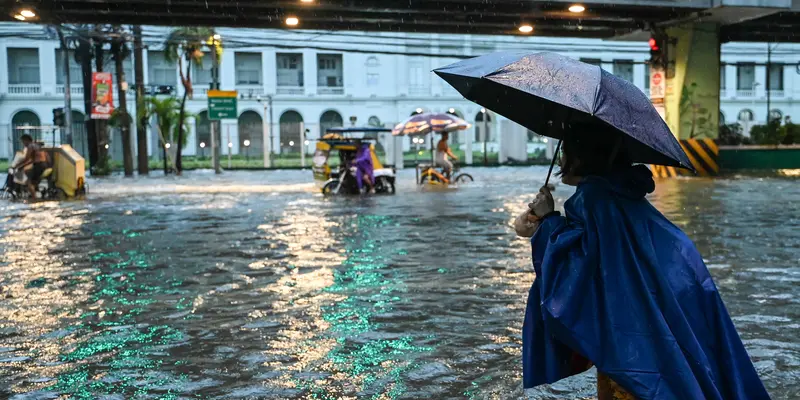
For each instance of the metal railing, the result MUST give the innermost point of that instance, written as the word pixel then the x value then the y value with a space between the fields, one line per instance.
pixel 419 90
pixel 745 93
pixel 24 88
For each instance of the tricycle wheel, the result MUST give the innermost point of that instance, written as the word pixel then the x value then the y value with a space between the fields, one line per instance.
pixel 330 188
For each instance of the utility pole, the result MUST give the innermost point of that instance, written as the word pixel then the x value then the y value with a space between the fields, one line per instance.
pixel 267 129
pixel 67 129
pixel 141 120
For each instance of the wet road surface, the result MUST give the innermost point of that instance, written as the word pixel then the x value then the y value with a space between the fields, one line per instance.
pixel 252 286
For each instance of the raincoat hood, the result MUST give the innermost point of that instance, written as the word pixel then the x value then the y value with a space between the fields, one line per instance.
pixel 633 183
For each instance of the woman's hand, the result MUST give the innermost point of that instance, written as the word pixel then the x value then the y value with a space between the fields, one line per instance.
pixel 526 224
pixel 543 204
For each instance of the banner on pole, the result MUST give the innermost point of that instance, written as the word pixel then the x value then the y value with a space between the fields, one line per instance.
pixel 102 95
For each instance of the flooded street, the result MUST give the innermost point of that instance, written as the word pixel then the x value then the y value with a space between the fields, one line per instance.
pixel 251 285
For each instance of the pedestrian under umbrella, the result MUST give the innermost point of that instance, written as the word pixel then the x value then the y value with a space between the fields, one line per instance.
pixel 617 286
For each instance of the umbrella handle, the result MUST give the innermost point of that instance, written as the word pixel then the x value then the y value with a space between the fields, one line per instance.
pixel 552 163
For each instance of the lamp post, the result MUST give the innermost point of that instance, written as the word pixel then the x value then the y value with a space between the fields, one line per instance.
pixel 202 150
pixel 216 126
pixel 267 139
pixel 246 148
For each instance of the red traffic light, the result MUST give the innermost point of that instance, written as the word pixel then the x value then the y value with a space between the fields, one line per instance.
pixel 653 44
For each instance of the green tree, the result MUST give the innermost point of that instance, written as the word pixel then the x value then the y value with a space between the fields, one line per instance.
pixel 186 44
pixel 167 112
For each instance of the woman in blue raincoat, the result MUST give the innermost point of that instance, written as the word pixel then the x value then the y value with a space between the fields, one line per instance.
pixel 620 287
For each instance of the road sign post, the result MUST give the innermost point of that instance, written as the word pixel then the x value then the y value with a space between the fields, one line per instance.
pixel 221 105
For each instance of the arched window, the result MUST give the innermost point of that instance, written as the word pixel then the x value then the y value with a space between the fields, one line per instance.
pixel 330 119
pixel 291 122
pixel 775 114
pixel 375 121
pixel 479 135
pixel 25 122
pixel 417 111
pixel 251 134
pixel 745 115
pixel 202 129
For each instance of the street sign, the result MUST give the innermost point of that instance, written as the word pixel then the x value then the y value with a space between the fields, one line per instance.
pixel 657 85
pixel 222 104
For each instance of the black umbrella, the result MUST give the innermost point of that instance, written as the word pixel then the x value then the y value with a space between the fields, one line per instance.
pixel 548 92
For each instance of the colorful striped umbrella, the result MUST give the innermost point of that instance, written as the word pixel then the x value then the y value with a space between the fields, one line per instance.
pixel 425 123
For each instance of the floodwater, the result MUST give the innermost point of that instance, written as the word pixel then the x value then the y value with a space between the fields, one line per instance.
pixel 252 286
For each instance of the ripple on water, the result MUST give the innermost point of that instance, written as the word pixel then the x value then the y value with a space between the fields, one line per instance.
pixel 250 286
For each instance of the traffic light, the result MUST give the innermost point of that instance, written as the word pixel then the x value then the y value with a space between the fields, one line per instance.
pixel 658 50
pixel 58 116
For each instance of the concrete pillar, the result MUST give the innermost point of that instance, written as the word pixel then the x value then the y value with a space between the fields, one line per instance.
pixel 398 151
pixel 310 72
pixel 469 135
pixel 47 76
pixel 730 80
pixel 227 73
pixel 692 95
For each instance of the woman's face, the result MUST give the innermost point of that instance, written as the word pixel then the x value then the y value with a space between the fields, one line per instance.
pixel 569 178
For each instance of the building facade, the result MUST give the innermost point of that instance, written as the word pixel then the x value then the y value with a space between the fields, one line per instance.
pixel 316 80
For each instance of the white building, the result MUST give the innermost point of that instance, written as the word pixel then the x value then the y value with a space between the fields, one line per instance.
pixel 321 79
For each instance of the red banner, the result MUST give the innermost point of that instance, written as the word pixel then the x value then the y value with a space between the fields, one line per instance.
pixel 102 95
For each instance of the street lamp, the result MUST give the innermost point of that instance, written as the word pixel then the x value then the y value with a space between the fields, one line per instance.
pixel 246 147
pixel 202 150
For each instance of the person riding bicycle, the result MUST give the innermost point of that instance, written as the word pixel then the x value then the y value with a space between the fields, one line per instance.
pixel 442 153
pixel 38 161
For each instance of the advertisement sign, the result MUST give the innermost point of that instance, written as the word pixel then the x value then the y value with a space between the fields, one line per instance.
pixel 658 85
pixel 102 95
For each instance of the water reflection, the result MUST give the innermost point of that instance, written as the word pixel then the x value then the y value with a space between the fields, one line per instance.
pixel 193 289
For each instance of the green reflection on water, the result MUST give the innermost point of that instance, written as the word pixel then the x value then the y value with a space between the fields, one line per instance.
pixel 378 364
pixel 114 350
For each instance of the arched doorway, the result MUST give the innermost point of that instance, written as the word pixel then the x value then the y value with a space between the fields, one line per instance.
pixel 202 129
pixel 251 134
pixel 80 140
pixel 291 122
pixel 330 119
pixel 25 122
pixel 745 118
pixel 480 136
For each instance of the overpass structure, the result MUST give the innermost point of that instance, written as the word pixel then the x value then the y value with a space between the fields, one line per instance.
pixel 688 71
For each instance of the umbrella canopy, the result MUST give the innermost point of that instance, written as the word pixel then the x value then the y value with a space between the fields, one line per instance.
pixel 425 123
pixel 548 93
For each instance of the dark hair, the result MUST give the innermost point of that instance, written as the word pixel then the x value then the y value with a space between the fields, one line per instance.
pixel 592 150
pixel 26 138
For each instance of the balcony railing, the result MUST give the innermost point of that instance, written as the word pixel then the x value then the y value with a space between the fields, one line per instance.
pixel 745 93
pixel 291 90
pixel 75 89
pixel 249 91
pixel 777 93
pixel 330 90
pixel 24 89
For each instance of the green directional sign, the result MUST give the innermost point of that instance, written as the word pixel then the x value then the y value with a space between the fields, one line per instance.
pixel 222 104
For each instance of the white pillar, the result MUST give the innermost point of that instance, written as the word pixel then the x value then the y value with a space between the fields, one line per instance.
pixel 398 152
pixel 302 144
pixel 265 137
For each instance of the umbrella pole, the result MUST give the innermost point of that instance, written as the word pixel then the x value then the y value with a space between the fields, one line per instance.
pixel 552 163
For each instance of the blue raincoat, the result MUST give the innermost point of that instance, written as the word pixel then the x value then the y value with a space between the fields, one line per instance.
pixel 620 285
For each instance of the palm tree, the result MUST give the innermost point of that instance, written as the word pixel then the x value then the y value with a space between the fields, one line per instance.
pixel 187 44
pixel 168 112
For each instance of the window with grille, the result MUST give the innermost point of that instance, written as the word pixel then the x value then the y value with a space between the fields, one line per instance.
pixel 248 68
pixel 23 66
